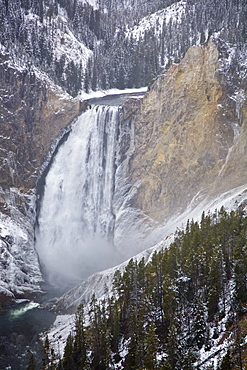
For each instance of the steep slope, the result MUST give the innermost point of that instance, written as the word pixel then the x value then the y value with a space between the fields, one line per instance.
pixel 207 336
pixel 188 136
pixel 33 115
pixel 182 143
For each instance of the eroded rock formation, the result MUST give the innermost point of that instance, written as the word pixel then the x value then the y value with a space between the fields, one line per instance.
pixel 33 114
pixel 189 138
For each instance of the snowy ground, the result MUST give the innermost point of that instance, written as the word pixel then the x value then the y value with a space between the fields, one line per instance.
pixel 101 93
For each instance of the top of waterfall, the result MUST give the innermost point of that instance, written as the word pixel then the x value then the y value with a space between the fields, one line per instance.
pixel 115 100
pixel 113 96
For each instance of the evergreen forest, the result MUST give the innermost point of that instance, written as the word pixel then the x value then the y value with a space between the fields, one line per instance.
pixel 32 30
pixel 163 314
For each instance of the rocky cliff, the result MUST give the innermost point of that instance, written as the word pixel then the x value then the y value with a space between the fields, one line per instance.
pixel 189 136
pixel 33 115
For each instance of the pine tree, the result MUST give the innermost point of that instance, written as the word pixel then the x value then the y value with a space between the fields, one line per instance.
pixel 115 325
pixel 151 348
pixel 99 335
pixel 215 282
pixel 46 356
pixel 173 345
pixel 240 256
pixel 169 299
pixel 79 344
pixel 226 363
pixel 32 363
pixel 131 358
pixel 155 272
pixel 68 360
pixel 48 360
pixel 199 325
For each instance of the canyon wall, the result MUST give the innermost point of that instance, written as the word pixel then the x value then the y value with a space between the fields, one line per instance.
pixel 189 136
pixel 33 115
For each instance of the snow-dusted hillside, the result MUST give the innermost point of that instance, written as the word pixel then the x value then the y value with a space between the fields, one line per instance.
pixel 63 42
pixel 89 45
pixel 100 284
pixel 173 14
pixel 93 3
pixel 44 39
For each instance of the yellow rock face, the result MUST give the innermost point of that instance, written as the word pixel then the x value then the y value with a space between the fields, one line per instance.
pixel 186 137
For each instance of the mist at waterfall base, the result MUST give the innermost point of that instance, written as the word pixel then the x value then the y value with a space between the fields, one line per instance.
pixel 74 234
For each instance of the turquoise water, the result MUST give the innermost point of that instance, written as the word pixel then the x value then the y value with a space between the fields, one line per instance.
pixel 20 327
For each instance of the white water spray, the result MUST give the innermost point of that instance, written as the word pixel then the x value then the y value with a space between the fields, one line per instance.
pixel 74 237
pixel 15 313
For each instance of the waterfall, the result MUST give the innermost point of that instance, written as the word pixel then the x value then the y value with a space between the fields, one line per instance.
pixel 74 235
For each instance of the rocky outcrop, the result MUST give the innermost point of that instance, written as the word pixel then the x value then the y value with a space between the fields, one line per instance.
pixel 189 139
pixel 19 266
pixel 33 113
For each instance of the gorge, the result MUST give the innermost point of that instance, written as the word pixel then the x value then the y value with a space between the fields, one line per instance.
pixel 86 184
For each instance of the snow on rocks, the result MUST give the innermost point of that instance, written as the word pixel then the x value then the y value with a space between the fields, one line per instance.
pixel 101 93
pixel 66 45
pixel 64 42
pixel 19 266
pixel 58 333
pixel 93 3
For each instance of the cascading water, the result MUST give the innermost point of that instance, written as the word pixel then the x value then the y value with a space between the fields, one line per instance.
pixel 74 236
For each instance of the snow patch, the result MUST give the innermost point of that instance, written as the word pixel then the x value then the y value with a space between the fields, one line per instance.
pixel 58 333
pixel 66 45
pixel 236 132
pixel 101 93
pixel 93 3
pixel 239 98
